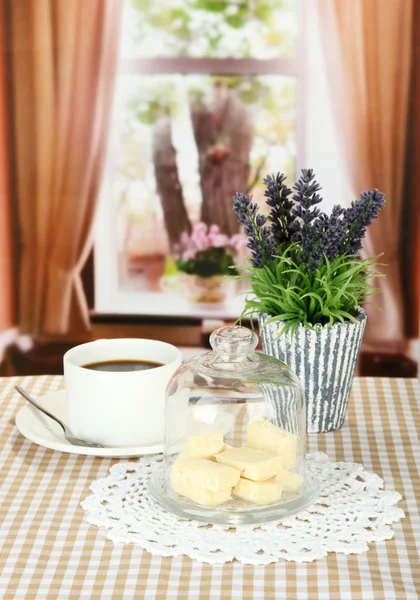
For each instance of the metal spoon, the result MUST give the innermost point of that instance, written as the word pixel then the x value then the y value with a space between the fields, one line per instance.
pixel 67 433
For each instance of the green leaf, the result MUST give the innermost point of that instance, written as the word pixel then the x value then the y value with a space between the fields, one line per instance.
pixel 315 296
pixel 210 5
pixel 286 290
pixel 142 5
pixel 281 317
pixel 236 21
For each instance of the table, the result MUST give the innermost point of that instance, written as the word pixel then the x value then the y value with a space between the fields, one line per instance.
pixel 49 552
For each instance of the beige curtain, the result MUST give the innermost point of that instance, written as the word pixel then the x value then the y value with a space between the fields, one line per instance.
pixel 368 53
pixel 6 246
pixel 63 63
pixel 410 233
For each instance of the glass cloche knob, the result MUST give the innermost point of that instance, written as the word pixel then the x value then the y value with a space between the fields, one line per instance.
pixel 235 428
pixel 234 341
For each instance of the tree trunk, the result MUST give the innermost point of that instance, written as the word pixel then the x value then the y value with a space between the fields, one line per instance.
pixel 168 185
pixel 223 134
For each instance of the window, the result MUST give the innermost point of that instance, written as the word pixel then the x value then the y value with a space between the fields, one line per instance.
pixel 206 103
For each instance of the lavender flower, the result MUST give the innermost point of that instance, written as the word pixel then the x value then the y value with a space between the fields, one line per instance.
pixel 245 209
pixel 334 232
pixel 306 197
pixel 306 267
pixel 359 216
pixel 259 242
pixel 311 246
pixel 309 224
pixel 297 220
pixel 260 220
pixel 280 216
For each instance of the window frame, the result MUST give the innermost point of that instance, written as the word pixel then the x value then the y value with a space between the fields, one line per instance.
pixel 109 299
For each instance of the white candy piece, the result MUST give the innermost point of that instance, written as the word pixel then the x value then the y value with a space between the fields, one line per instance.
pixel 289 480
pixel 203 446
pixel 200 495
pixel 225 447
pixel 259 492
pixel 252 464
pixel 198 473
pixel 263 435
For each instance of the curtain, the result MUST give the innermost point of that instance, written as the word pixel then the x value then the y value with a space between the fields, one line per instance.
pixel 410 229
pixel 368 54
pixel 63 59
pixel 6 247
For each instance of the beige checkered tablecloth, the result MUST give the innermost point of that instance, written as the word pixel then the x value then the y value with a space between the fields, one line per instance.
pixel 48 551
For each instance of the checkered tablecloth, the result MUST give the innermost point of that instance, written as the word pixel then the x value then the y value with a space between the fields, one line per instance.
pixel 48 551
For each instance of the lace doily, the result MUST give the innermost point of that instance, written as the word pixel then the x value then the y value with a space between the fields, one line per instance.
pixel 352 511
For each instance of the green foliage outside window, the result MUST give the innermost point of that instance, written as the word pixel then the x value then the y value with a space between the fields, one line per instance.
pixel 218 27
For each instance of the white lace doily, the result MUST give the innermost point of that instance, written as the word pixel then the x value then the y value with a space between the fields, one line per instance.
pixel 352 511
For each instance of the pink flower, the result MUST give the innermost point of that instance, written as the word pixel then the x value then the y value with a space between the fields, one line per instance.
pixel 200 227
pixel 220 241
pixel 210 239
pixel 238 241
pixel 184 240
pixel 203 238
pixel 199 240
pixel 189 254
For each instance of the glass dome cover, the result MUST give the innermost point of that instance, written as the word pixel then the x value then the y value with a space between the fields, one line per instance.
pixel 234 448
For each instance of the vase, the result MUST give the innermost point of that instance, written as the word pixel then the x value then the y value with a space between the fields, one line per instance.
pixel 324 360
pixel 212 290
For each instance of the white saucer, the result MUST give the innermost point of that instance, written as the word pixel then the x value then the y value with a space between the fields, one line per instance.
pixel 42 430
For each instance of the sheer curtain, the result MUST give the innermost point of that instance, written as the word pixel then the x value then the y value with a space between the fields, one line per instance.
pixel 62 62
pixel 368 55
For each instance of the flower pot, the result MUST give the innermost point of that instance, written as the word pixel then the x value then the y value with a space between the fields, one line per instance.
pixel 324 361
pixel 213 290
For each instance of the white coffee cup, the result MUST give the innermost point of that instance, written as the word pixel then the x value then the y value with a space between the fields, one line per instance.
pixel 115 408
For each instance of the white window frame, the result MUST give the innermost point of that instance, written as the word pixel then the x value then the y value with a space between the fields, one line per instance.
pixel 109 298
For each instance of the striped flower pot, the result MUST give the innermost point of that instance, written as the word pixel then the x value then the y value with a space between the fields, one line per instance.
pixel 324 360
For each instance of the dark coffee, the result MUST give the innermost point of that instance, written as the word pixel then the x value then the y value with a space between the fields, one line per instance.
pixel 122 365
